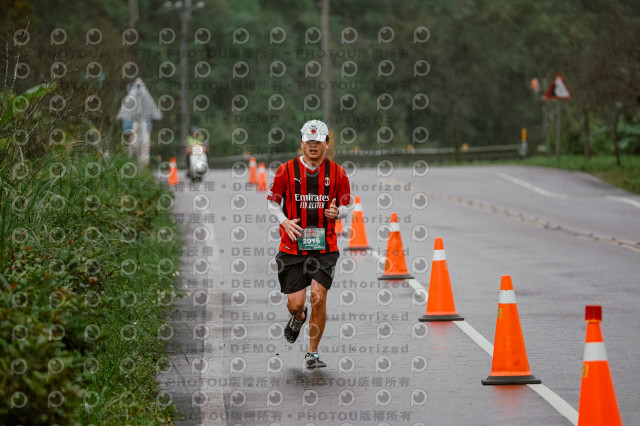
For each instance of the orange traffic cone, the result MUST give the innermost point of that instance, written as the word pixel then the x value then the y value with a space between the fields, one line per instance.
pixel 252 171
pixel 440 304
pixel 395 266
pixel 510 364
pixel 358 236
pixel 339 227
pixel 262 178
pixel 173 172
pixel 598 405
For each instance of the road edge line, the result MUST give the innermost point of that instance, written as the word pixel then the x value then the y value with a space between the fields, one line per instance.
pixel 526 185
pixel 556 401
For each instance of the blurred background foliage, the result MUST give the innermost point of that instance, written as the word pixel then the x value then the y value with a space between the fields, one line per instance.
pixel 483 55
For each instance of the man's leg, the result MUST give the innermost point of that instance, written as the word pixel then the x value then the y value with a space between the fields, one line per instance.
pixel 318 315
pixel 295 303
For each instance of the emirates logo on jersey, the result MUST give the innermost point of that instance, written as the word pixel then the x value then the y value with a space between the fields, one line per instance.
pixel 327 181
pixel 311 197
pixel 312 201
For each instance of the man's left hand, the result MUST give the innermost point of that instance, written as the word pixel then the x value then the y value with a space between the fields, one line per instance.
pixel 332 211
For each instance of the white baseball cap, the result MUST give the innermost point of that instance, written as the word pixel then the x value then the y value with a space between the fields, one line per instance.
pixel 314 130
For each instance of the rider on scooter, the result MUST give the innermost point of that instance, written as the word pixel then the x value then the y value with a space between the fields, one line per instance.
pixel 195 138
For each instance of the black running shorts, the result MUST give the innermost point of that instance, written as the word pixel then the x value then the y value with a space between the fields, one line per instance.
pixel 295 272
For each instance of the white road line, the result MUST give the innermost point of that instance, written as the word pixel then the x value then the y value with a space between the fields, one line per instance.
pixel 547 394
pixel 475 336
pixel 557 402
pixel 412 282
pixel 530 187
pixel 592 178
pixel 418 288
pixel 634 203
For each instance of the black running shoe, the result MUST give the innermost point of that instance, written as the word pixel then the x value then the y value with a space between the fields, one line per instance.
pixel 312 360
pixel 292 330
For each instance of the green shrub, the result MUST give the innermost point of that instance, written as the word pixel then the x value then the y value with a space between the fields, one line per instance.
pixel 85 286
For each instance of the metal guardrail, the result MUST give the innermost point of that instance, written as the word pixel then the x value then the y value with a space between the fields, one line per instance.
pixel 399 157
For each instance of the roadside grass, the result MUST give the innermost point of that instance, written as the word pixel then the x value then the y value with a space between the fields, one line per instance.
pixel 88 257
pixel 626 176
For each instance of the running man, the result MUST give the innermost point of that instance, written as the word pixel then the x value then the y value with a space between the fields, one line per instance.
pixel 307 196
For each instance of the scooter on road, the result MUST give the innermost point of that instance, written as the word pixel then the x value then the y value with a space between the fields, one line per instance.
pixel 198 162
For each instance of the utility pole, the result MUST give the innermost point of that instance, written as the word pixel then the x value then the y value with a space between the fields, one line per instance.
pixel 185 10
pixel 185 15
pixel 326 74
pixel 134 14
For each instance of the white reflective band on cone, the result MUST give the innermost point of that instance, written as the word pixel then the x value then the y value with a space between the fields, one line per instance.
pixel 507 296
pixel 439 255
pixel 357 207
pixel 595 352
pixel 394 227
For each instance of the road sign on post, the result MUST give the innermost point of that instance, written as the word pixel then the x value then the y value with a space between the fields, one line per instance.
pixel 558 91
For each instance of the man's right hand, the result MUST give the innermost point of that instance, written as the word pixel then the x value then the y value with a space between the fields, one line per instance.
pixel 292 228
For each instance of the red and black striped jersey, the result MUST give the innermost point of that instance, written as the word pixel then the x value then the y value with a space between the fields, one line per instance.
pixel 305 195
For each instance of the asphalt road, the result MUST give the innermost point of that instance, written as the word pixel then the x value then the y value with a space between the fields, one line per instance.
pixel 567 239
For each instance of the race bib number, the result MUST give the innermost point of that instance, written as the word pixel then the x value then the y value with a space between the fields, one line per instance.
pixel 311 239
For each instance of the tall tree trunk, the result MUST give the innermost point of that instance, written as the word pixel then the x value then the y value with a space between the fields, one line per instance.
pixel 585 141
pixel 614 135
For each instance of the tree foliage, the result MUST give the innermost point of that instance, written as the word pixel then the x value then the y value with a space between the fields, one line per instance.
pixel 482 55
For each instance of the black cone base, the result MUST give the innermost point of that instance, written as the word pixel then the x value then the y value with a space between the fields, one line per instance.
pixel 511 380
pixel 431 318
pixel 396 277
pixel 357 248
